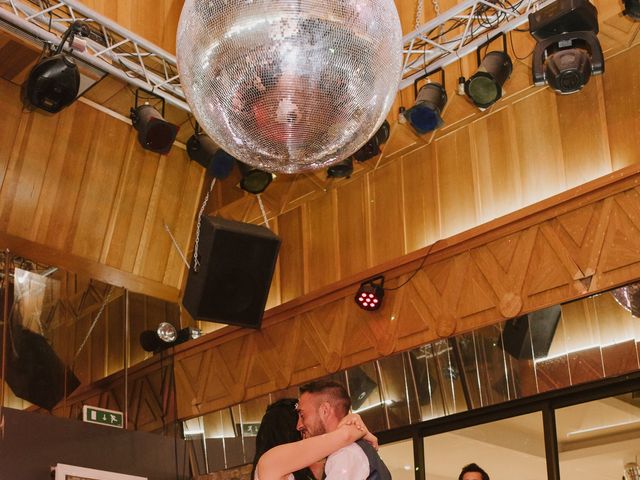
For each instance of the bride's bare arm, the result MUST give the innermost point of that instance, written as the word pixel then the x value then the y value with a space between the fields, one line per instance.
pixel 285 459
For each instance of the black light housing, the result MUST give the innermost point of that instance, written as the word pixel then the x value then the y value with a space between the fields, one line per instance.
pixel 54 81
pixel 342 169
pixel 253 179
pixel 632 9
pixel 568 51
pixel 484 87
pixel 203 150
pixel 426 113
pixel 166 336
pixel 372 147
pixel 369 295
pixel 154 132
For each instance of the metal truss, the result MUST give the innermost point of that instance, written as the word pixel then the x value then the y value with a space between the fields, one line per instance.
pixel 109 47
pixel 460 31
pixel 119 52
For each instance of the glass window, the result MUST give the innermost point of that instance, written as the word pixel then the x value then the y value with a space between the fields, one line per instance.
pixel 599 439
pixel 398 457
pixel 501 448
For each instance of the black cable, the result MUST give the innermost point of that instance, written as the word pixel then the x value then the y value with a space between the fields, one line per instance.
pixel 514 50
pixel 424 259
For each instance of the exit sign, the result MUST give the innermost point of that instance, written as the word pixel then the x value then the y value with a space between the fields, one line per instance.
pixel 102 416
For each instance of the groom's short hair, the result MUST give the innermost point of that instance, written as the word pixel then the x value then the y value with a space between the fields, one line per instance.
pixel 336 392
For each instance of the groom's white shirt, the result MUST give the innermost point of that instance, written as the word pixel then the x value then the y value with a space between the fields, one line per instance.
pixel 348 463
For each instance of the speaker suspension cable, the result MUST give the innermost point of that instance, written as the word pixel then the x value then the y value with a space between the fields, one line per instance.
pixel 5 330
pixel 264 213
pixel 93 324
pixel 175 244
pixel 196 261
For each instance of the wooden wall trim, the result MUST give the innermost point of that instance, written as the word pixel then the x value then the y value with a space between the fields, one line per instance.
pixel 580 242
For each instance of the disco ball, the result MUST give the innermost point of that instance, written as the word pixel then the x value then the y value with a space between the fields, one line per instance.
pixel 289 85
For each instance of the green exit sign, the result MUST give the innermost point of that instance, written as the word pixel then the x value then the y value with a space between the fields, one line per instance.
pixel 102 416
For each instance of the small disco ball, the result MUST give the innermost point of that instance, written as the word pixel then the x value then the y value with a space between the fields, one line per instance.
pixel 289 85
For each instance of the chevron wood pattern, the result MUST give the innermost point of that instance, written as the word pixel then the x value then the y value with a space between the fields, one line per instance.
pixel 572 245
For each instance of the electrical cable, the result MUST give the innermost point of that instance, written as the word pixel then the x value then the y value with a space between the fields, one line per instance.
pixel 413 274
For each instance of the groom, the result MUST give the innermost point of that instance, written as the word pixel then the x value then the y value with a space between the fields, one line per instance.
pixel 321 406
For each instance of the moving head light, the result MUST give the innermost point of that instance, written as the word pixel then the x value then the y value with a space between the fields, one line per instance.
pixel 568 51
pixel 54 81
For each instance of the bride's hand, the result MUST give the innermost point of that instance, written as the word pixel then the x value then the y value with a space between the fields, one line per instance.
pixel 353 419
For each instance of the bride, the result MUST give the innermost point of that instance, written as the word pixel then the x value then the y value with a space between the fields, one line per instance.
pixel 281 454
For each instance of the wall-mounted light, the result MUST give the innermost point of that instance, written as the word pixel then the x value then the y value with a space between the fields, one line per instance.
pixel 166 336
pixel 369 295
pixel 254 180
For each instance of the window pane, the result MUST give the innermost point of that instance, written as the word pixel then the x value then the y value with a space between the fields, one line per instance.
pixel 399 458
pixel 500 448
pixel 597 439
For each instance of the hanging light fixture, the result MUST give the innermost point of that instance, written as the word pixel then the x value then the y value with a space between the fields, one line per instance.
pixel 372 147
pixel 289 86
pixel 369 295
pixel 426 113
pixel 203 150
pixel 484 87
pixel 154 132
pixel 254 180
pixel 568 51
pixel 632 9
pixel 54 81
pixel 342 169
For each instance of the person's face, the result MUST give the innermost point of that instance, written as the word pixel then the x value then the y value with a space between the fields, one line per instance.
pixel 310 422
pixel 472 476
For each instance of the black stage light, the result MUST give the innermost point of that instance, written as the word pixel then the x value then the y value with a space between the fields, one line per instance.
pixel 203 150
pixel 342 169
pixel 166 336
pixel 253 179
pixel 426 113
pixel 484 87
pixel 154 132
pixel 632 9
pixel 568 51
pixel 369 295
pixel 53 83
pixel 372 147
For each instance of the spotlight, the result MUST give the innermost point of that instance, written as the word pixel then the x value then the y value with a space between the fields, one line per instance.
pixel 154 132
pixel 166 336
pixel 568 51
pixel 426 113
pixel 254 180
pixel 372 147
pixel 342 169
pixel 203 150
pixel 369 295
pixel 484 87
pixel 632 9
pixel 53 83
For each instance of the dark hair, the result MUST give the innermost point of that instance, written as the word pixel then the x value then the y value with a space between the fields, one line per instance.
pixel 473 467
pixel 335 390
pixel 278 426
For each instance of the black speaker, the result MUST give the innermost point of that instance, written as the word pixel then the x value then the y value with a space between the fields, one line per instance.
pixel 232 284
pixel 34 371
pixel 531 334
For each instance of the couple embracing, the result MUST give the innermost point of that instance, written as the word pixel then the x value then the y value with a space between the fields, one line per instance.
pixel 321 416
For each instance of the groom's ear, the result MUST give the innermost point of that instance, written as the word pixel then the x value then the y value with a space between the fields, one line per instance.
pixel 325 410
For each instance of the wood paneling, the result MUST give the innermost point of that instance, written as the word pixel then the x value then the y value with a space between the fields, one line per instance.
pixel 77 188
pixel 506 268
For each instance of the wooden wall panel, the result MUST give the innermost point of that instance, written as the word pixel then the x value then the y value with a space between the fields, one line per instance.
pixel 387 211
pixel 322 235
pixel 78 191
pixel 353 227
pixel 506 268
